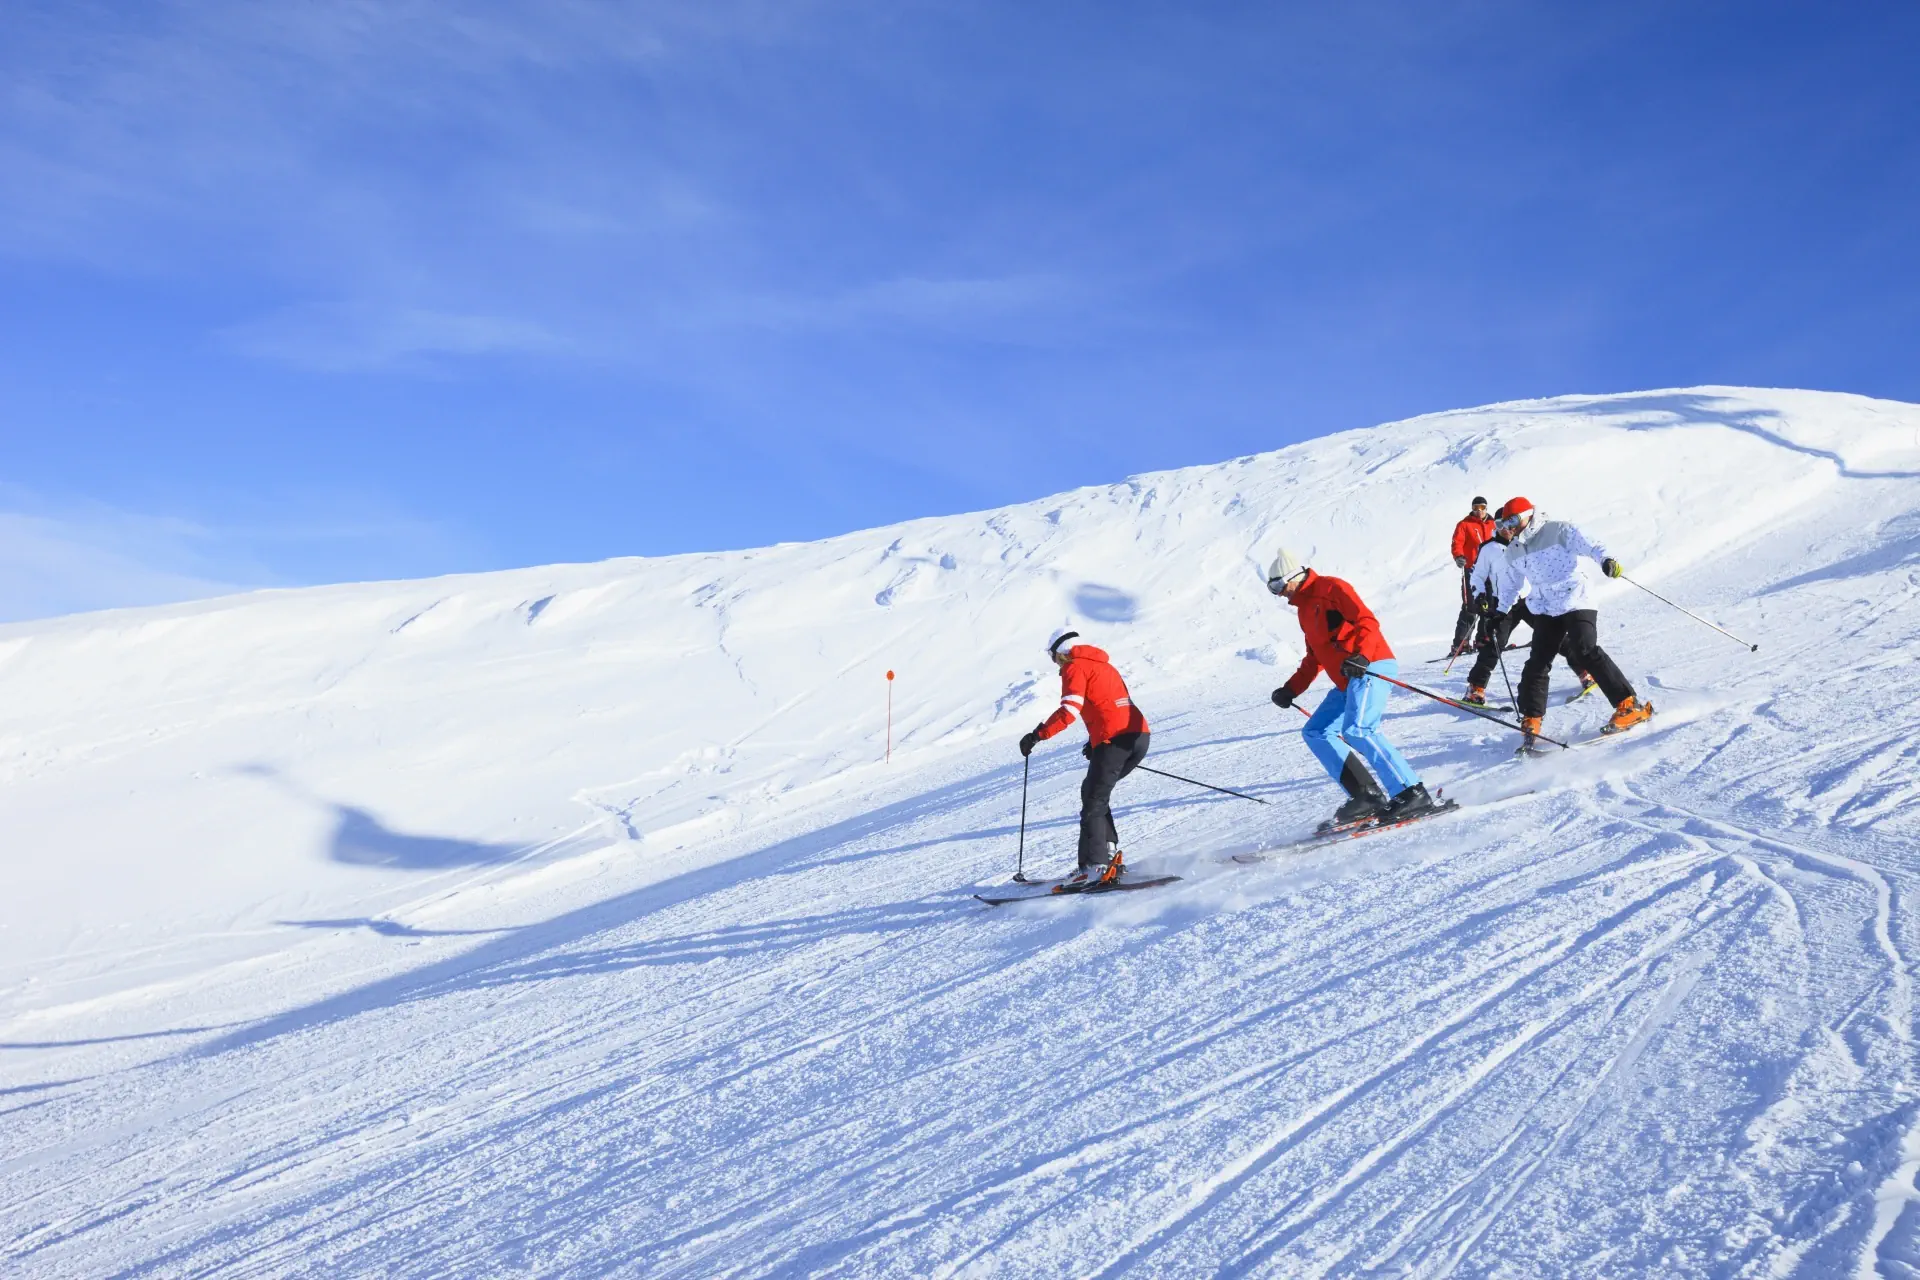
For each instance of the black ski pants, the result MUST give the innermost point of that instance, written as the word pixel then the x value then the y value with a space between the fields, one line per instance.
pixel 1577 633
pixel 1496 629
pixel 1463 625
pixel 1107 763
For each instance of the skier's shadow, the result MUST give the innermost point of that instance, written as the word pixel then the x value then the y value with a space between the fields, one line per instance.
pixel 763 939
pixel 385 928
pixel 547 950
pixel 1709 410
pixel 362 840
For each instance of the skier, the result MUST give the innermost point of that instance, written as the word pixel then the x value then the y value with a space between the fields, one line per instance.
pixel 1116 743
pixel 1474 528
pixel 1343 639
pixel 1496 627
pixel 1543 558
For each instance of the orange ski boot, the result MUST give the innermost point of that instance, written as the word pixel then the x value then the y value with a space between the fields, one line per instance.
pixel 1530 728
pixel 1629 713
pixel 1476 695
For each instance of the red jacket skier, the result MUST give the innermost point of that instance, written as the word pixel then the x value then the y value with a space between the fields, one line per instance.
pixel 1090 687
pixel 1475 529
pixel 1337 624
pixel 1117 740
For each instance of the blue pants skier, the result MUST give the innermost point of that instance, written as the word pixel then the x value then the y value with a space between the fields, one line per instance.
pixel 1350 717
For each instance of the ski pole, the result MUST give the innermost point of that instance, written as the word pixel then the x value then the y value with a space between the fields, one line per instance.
pixel 1513 699
pixel 1020 858
pixel 1466 598
pixel 1690 613
pixel 1484 715
pixel 1208 785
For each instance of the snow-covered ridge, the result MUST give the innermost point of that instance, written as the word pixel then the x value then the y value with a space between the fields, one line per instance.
pixel 229 810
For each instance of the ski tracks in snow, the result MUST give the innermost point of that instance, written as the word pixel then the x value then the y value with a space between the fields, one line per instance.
pixel 1600 1029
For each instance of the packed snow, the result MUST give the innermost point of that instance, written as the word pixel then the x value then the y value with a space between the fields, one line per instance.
pixel 573 921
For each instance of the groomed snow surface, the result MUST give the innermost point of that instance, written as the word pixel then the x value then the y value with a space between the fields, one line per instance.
pixel 569 922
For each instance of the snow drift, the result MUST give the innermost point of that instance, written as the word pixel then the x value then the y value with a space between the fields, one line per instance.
pixel 569 921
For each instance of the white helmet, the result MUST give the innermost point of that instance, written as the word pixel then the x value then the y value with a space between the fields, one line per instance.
pixel 1285 568
pixel 1059 638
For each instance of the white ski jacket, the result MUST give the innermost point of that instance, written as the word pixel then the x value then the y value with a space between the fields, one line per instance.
pixel 1490 569
pixel 1546 558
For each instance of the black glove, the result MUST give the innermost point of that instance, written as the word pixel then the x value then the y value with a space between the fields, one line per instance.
pixel 1354 667
pixel 1026 743
pixel 1087 751
pixel 1282 698
pixel 1611 567
pixel 1488 603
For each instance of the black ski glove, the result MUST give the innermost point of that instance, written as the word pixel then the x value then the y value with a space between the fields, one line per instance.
pixel 1488 604
pixel 1087 751
pixel 1354 667
pixel 1026 743
pixel 1282 699
pixel 1611 567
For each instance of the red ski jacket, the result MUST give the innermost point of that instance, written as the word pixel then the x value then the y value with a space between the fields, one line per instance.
pixel 1337 624
pixel 1089 685
pixel 1467 537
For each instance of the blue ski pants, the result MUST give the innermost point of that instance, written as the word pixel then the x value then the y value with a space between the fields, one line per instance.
pixel 1350 717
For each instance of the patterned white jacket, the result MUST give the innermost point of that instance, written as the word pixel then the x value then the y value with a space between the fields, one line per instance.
pixel 1546 558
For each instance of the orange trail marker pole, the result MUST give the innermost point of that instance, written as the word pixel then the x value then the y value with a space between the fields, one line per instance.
pixel 889 716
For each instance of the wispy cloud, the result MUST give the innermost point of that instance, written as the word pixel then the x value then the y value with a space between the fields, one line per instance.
pixel 1005 307
pixel 60 556
pixel 407 179
pixel 99 558
pixel 349 337
pixel 399 183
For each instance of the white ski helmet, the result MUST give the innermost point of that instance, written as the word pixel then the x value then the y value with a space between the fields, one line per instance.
pixel 1285 568
pixel 1059 638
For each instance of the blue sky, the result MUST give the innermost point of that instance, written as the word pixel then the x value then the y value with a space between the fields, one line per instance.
pixel 300 292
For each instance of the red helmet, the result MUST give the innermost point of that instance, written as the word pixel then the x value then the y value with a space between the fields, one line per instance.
pixel 1508 517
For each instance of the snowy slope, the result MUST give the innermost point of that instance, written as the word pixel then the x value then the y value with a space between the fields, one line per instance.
pixel 568 921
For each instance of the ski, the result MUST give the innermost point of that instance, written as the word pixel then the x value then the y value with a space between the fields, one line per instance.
pixel 1593 740
pixel 1572 698
pixel 1495 708
pixel 1118 886
pixel 1449 657
pixel 1351 831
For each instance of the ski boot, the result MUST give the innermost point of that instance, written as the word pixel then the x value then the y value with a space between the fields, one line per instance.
pixel 1364 797
pixel 1091 876
pixel 1587 685
pixel 1629 713
pixel 1414 802
pixel 1530 736
pixel 1476 696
